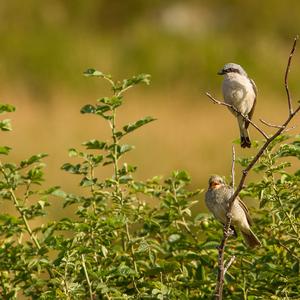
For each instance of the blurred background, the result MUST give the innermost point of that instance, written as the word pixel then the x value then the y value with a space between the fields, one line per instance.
pixel 46 45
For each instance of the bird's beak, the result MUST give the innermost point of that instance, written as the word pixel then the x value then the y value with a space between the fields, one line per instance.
pixel 214 185
pixel 221 72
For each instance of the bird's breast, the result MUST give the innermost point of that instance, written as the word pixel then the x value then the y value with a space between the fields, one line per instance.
pixel 238 91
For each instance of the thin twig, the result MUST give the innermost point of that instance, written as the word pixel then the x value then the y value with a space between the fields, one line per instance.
pixel 276 126
pixel 232 168
pixel 287 74
pixel 269 124
pixel 289 251
pixel 238 112
pixel 226 233
pixel 87 277
pixel 232 259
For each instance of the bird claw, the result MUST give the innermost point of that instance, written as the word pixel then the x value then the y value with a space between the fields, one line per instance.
pixel 229 215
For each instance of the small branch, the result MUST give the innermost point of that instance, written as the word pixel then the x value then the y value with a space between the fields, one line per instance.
pixel 232 168
pixel 87 277
pixel 226 233
pixel 232 259
pixel 269 124
pixel 25 221
pixel 289 251
pixel 238 112
pixel 276 126
pixel 287 74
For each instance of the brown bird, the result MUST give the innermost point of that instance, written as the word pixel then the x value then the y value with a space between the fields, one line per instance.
pixel 216 199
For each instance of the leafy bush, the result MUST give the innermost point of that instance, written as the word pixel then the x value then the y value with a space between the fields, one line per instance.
pixel 117 246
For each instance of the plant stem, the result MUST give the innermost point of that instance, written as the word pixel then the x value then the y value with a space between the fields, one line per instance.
pixel 28 229
pixel 87 277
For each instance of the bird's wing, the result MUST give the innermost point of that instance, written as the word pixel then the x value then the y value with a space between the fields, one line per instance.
pixel 254 103
pixel 245 209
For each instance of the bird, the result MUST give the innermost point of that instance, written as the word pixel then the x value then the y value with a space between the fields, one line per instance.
pixel 240 92
pixel 217 201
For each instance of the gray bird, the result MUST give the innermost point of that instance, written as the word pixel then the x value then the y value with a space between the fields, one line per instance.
pixel 216 199
pixel 239 91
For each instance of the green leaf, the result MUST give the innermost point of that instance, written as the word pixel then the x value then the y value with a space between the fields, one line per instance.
pixel 87 182
pixel 141 78
pixel 74 169
pixel 94 144
pixel 4 150
pixel 35 175
pixel 181 175
pixel 209 245
pixel 125 179
pixel 55 191
pixel 289 150
pixel 104 251
pixel 5 125
pixel 88 109
pixel 73 152
pixel 113 101
pixel 33 159
pixel 125 148
pixel 174 238
pixel 6 108
pixel 131 127
pixel 92 72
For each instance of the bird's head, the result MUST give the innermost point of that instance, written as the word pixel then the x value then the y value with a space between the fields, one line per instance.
pixel 232 68
pixel 215 182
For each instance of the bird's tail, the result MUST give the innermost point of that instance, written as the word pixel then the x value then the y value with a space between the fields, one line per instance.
pixel 251 239
pixel 245 140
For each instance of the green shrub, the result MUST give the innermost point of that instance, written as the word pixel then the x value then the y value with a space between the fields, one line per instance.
pixel 117 246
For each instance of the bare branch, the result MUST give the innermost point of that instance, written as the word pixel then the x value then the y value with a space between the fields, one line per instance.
pixel 287 74
pixel 238 112
pixel 276 126
pixel 232 168
pixel 232 259
pixel 269 124
pixel 289 129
